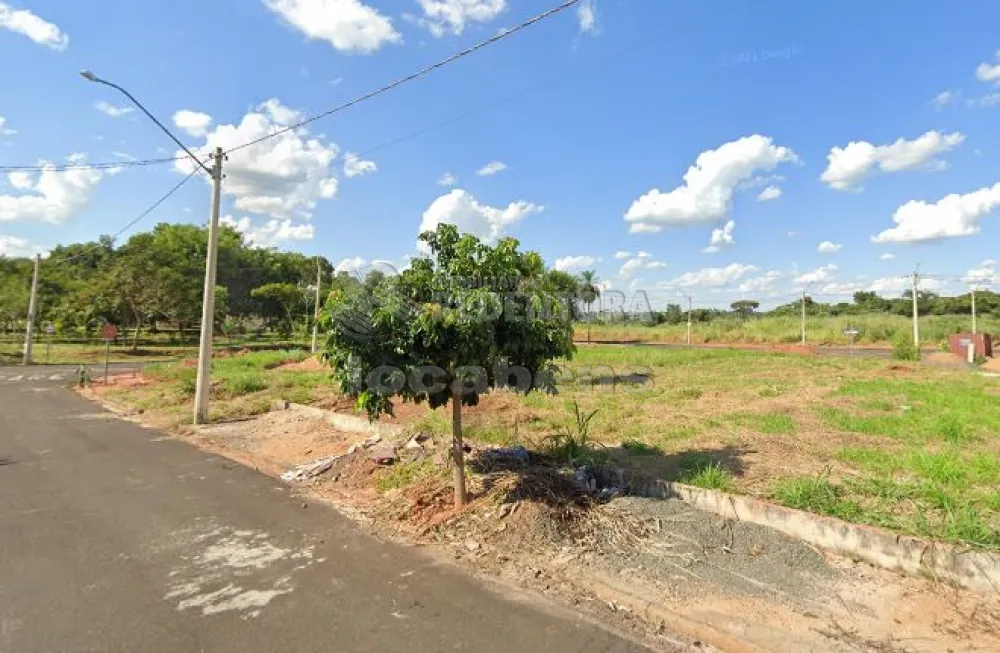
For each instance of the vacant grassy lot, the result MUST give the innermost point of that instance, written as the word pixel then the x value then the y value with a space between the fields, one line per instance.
pixel 910 448
pixel 878 329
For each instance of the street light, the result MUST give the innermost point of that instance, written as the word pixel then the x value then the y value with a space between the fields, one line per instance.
pixel 211 260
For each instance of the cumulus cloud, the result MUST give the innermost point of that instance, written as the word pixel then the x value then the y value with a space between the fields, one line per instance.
pixel 711 277
pixel 350 265
pixel 447 179
pixel 987 72
pixel 641 261
pixel 847 166
pixel 194 123
pixel 990 100
pixel 51 195
pixel 721 237
pixel 985 274
pixel 470 216
pixel 39 30
pixel 491 168
pixel 887 257
pixel 769 193
pixel 283 177
pixel 951 216
pixel 621 256
pixel 109 109
pixel 13 247
pixel 819 275
pixel 357 167
pixel 270 233
pixel 567 263
pixel 709 185
pixel 452 16
pixel 347 25
pixel 828 247
pixel 586 14
pixel 765 283
pixel 4 130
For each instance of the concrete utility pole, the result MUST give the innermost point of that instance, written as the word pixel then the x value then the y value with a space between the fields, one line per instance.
pixel 689 321
pixel 973 311
pixel 914 278
pixel 204 382
pixel 208 299
pixel 803 328
pixel 29 332
pixel 319 284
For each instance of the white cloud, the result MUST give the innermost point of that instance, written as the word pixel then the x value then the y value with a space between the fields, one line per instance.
pixel 985 274
pixel 51 195
pixel 621 256
pixel 485 222
pixel 270 233
pixel 630 267
pixel 944 98
pixel 643 254
pixel 794 234
pixel 586 14
pixel 351 265
pixel 709 185
pixel 849 165
pixel 990 100
pixel 451 16
pixel 721 237
pixel 491 168
pixel 827 247
pixel 347 25
pixel 13 247
pixel 42 32
pixel 656 265
pixel 763 284
pixel 109 109
pixel 194 123
pixel 711 277
pixel 887 257
pixel 4 130
pixel 769 193
pixel 568 263
pixel 284 176
pixel 987 72
pixel 951 216
pixel 447 179
pixel 897 285
pixel 641 261
pixel 819 275
pixel 20 179
pixel 356 167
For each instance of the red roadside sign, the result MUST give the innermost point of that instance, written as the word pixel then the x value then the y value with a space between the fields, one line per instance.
pixel 109 331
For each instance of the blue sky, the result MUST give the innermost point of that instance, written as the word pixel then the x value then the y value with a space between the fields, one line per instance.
pixel 623 127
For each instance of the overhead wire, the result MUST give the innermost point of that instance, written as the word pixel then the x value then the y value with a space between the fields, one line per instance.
pixel 412 76
pixel 97 165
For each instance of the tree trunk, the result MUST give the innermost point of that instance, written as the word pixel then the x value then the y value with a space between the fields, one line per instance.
pixel 135 337
pixel 457 451
pixel 589 322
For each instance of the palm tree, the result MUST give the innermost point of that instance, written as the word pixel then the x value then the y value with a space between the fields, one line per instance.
pixel 589 292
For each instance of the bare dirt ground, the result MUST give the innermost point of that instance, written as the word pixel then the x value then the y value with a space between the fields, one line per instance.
pixel 648 566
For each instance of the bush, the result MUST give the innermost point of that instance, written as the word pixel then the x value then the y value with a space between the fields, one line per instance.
pixel 903 349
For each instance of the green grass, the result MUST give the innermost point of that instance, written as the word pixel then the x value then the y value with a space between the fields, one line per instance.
pixel 640 448
pixel 816 494
pixel 702 471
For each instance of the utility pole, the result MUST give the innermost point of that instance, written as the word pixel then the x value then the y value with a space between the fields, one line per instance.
pixel 319 283
pixel 204 382
pixel 973 311
pixel 803 328
pixel 29 332
pixel 914 278
pixel 689 321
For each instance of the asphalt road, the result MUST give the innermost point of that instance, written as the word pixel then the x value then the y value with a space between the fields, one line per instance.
pixel 116 538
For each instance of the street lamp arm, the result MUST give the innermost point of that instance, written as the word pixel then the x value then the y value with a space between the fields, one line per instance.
pixel 91 77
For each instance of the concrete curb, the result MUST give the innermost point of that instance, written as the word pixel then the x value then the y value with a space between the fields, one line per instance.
pixel 349 423
pixel 973 570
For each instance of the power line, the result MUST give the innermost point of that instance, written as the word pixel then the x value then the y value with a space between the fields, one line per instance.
pixel 100 165
pixel 412 76
pixel 155 205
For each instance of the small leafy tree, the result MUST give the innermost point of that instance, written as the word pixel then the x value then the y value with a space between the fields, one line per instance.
pixel 286 295
pixel 745 307
pixel 464 319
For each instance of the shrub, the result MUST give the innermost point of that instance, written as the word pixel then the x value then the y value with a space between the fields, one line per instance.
pixel 903 349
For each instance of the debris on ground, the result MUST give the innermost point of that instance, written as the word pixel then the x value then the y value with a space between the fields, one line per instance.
pixel 383 454
pixel 310 470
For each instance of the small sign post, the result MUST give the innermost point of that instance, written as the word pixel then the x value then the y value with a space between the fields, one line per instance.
pixel 49 330
pixel 851 334
pixel 108 333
